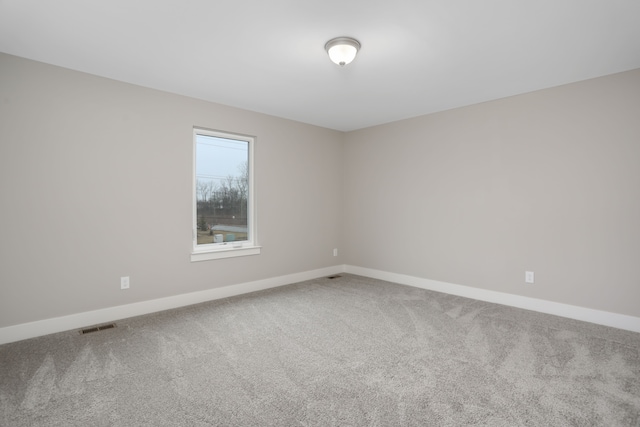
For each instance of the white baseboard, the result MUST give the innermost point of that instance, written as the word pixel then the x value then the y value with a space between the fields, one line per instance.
pixel 76 321
pixel 620 321
pixel 80 320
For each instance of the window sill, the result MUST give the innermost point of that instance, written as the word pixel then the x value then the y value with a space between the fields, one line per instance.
pixel 231 252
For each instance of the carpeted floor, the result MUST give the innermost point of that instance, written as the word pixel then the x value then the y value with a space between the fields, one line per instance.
pixel 350 351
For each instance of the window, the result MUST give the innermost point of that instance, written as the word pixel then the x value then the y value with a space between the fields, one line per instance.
pixel 223 208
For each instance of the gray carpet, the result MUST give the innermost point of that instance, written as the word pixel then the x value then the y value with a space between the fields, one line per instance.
pixel 345 352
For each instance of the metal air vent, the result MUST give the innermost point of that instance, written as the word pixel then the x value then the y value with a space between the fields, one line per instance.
pixel 97 328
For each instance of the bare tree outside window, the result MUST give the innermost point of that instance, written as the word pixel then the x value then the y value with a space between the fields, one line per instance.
pixel 222 189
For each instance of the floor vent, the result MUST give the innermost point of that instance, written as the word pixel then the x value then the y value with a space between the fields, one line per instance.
pixel 98 328
pixel 335 276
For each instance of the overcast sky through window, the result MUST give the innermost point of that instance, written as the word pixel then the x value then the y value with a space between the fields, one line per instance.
pixel 217 158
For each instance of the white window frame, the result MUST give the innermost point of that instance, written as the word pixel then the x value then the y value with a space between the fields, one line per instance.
pixel 225 249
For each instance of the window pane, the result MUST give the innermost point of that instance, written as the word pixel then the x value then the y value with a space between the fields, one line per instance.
pixel 222 189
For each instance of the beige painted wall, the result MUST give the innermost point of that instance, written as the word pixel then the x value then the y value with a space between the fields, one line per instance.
pixel 547 181
pixel 96 184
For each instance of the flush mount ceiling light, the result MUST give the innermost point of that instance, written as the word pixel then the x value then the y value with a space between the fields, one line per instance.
pixel 342 50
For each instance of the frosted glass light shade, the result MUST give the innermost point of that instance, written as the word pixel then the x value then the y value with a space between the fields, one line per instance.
pixel 342 50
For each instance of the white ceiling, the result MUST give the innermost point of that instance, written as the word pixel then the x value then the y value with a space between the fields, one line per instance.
pixel 417 56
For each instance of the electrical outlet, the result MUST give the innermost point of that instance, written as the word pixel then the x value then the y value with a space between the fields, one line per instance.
pixel 335 252
pixel 528 276
pixel 124 282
